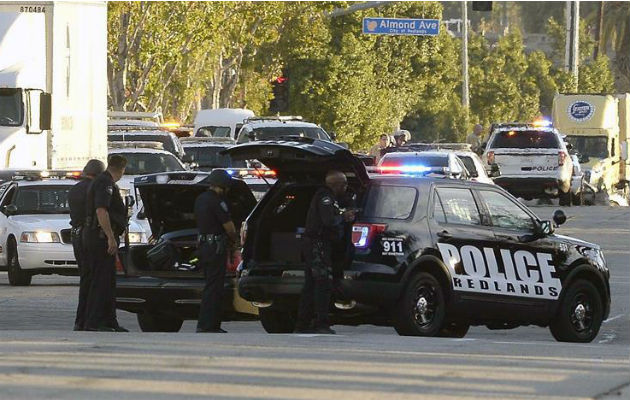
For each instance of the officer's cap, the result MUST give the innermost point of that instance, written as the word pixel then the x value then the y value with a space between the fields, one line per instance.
pixel 93 167
pixel 220 178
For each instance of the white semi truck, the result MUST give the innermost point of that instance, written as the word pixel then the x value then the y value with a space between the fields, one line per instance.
pixel 53 84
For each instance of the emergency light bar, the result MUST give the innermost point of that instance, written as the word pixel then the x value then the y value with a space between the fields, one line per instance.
pixel 411 169
pixel 275 118
pixel 204 140
pixel 251 173
pixel 35 175
pixel 135 145
pixel 156 116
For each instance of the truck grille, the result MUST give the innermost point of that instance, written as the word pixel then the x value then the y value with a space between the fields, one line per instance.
pixel 66 236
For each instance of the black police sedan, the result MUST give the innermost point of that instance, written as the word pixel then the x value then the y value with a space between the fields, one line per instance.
pixel 160 281
pixel 433 255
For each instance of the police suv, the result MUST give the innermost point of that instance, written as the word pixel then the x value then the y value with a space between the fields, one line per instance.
pixel 35 232
pixel 533 159
pixel 432 255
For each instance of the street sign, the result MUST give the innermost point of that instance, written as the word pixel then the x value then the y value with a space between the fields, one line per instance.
pixel 401 26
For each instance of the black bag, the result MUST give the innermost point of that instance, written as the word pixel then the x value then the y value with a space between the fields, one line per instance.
pixel 163 256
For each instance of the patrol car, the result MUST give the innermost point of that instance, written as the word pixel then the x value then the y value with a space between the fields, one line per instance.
pixel 265 128
pixel 433 255
pixel 35 235
pixel 160 281
pixel 533 159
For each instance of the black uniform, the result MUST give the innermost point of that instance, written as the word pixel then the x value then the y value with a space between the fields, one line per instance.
pixel 211 212
pixel 103 193
pixel 324 227
pixel 77 201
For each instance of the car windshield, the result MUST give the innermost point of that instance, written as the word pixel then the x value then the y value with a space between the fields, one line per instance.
pixel 589 146
pixel 525 140
pixel 209 157
pixel 42 199
pixel 151 163
pixel 11 109
pixel 280 131
pixel 166 140
pixel 213 131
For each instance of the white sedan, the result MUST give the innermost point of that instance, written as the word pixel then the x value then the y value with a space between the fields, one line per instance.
pixel 35 233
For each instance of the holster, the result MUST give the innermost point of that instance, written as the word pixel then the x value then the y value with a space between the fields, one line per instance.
pixel 220 240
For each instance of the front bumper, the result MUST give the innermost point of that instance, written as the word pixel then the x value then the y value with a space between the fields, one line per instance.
pixel 178 298
pixel 46 256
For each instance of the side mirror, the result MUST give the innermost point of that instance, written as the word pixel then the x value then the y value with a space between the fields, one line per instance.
pixel 333 136
pixel 11 209
pixel 251 135
pixel 495 171
pixel 130 201
pixel 254 164
pixel 559 217
pixel 187 158
pixel 33 111
pixel 569 146
pixel 141 214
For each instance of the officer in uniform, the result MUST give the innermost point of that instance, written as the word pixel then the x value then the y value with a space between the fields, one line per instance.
pixel 105 222
pixel 76 200
pixel 324 226
pixel 217 236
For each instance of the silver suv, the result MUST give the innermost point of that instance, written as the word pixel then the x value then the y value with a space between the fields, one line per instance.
pixel 267 128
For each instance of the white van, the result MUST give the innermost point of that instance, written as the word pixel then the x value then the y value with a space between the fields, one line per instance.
pixel 221 122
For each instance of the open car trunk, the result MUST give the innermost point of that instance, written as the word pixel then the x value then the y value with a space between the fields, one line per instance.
pixel 169 201
pixel 274 232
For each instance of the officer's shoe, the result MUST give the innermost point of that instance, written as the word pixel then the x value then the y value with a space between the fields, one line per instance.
pixel 100 329
pixel 325 330
pixel 218 330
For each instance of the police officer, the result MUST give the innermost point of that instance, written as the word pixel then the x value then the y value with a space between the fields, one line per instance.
pixel 76 200
pixel 105 222
pixel 217 236
pixel 324 226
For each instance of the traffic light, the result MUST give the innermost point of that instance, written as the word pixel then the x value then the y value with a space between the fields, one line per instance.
pixel 482 6
pixel 280 101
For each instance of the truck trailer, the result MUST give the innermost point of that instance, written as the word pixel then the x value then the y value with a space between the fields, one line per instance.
pixel 53 84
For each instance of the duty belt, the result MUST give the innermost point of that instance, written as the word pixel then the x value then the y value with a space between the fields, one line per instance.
pixel 210 237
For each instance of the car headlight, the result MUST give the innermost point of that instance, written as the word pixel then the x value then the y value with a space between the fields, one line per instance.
pixel 137 237
pixel 40 237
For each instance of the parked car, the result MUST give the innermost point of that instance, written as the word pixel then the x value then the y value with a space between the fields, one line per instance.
pixel 266 128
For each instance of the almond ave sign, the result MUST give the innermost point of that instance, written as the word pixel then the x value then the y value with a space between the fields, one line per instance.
pixel 401 26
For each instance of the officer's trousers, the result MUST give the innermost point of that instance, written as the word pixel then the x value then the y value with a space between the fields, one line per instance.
pixel 101 299
pixel 315 300
pixel 85 277
pixel 213 263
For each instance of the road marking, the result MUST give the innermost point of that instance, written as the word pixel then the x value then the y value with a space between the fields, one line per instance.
pixel 608 337
pixel 613 318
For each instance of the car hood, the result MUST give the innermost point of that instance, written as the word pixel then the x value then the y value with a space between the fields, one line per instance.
pixel 42 222
pixel 169 199
pixel 299 157
pixel 578 243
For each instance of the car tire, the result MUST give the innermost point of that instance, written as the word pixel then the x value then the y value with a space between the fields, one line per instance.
pixel 422 308
pixel 579 315
pixel 454 330
pixel 276 321
pixel 150 322
pixel 565 199
pixel 17 276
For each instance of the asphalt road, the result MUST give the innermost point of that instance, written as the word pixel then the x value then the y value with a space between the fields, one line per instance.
pixel 40 357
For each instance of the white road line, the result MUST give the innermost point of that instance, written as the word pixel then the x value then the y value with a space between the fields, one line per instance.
pixel 608 337
pixel 613 318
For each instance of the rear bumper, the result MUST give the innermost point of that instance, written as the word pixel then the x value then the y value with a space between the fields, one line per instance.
pixel 178 298
pixel 524 186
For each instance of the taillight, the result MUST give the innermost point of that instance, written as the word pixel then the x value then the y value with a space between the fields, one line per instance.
pixel 490 157
pixel 363 234
pixel 243 233
pixel 562 156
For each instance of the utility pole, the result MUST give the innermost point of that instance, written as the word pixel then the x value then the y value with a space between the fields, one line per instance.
pixel 572 46
pixel 465 98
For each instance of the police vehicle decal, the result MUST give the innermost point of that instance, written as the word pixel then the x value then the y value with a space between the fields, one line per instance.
pixel 392 246
pixel 517 272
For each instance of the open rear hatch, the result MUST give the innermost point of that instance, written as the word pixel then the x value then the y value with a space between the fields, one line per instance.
pixel 301 157
pixel 169 200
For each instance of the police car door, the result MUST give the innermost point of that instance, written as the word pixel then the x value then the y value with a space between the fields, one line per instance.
pixel 521 265
pixel 460 232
